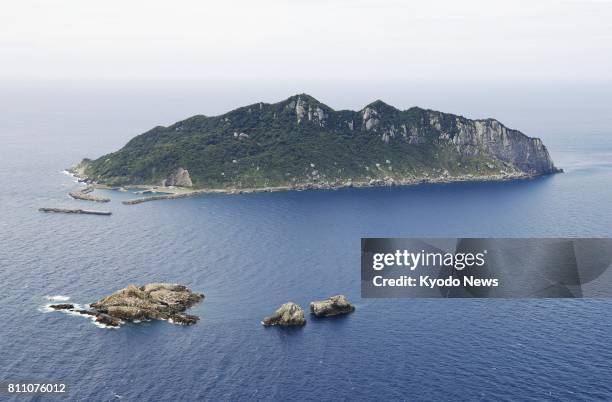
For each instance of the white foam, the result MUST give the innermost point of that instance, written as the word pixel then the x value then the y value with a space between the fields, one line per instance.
pixel 171 321
pixel 57 298
pixel 47 309
pixel 67 173
pixel 99 325
pixel 72 312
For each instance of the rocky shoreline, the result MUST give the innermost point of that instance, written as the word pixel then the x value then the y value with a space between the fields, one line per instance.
pixel 183 192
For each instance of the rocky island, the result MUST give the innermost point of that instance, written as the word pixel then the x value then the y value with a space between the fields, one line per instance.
pixel 300 143
pixel 289 314
pixel 335 305
pixel 154 301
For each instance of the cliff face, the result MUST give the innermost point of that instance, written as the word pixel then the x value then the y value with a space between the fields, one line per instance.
pixel 475 137
pixel 301 142
pixel 180 177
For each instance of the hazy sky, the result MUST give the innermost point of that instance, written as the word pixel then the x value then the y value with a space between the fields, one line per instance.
pixel 361 41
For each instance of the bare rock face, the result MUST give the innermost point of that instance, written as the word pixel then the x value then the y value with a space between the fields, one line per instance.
pixel 155 301
pixel 370 118
pixel 288 314
pixel 335 305
pixel 490 137
pixel 180 178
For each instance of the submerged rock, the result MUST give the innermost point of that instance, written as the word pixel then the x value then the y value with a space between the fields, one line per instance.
pixel 287 315
pixel 154 301
pixel 335 305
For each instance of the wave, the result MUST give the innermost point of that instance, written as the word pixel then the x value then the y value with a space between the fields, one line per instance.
pixel 99 325
pixel 57 298
pixel 46 308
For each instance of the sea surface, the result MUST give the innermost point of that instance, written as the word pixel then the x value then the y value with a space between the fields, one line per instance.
pixel 250 253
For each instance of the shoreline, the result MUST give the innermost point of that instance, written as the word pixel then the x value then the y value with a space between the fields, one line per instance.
pixel 184 192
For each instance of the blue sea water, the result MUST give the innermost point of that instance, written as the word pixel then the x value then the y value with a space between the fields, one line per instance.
pixel 250 253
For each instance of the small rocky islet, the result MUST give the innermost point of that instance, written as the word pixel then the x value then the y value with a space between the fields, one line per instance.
pixel 153 301
pixel 291 314
pixel 335 305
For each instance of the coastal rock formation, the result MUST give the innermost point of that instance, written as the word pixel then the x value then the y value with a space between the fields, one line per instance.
pixel 154 301
pixel 335 305
pixel 64 306
pixel 489 137
pixel 98 317
pixel 106 319
pixel 101 318
pixel 289 314
pixel 180 177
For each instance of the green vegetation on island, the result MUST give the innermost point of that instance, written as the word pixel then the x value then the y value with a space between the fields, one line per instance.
pixel 302 143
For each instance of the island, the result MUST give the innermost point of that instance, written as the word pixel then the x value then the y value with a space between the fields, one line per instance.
pixel 335 305
pixel 153 301
pixel 287 315
pixel 300 143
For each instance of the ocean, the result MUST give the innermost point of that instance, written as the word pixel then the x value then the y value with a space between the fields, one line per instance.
pixel 250 253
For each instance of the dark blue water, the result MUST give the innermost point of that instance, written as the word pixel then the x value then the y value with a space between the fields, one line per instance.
pixel 251 253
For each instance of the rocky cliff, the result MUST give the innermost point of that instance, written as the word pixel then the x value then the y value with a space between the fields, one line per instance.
pixel 302 143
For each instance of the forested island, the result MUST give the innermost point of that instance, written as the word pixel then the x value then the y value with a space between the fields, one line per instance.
pixel 301 143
